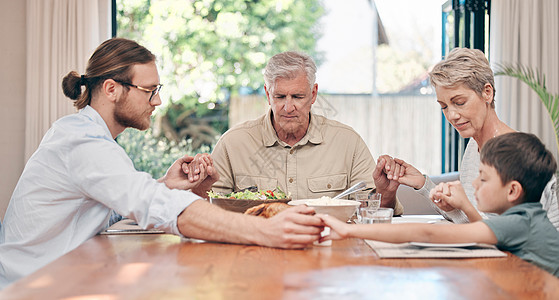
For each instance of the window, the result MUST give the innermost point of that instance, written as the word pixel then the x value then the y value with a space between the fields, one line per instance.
pixel 465 24
pixel 211 54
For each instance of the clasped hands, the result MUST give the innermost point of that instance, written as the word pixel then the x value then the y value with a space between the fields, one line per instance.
pixel 391 172
pixel 449 196
pixel 196 173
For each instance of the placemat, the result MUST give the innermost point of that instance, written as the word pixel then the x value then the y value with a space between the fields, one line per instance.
pixel 406 250
pixel 128 226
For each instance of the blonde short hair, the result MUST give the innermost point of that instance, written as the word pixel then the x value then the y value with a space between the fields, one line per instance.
pixel 464 66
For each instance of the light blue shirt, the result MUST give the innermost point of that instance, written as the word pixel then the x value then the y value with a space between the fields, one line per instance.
pixel 67 191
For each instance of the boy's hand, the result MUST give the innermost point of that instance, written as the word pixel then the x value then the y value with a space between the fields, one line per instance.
pixel 438 195
pixel 338 229
pixel 448 196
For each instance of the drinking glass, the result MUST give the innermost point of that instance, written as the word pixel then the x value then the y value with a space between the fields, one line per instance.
pixel 382 215
pixel 368 201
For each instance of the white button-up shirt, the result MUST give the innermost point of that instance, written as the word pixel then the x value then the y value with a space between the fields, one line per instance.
pixel 66 193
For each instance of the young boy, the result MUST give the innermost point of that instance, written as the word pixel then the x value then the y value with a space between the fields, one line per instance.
pixel 514 170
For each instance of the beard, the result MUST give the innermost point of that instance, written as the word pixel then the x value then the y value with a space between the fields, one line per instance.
pixel 126 114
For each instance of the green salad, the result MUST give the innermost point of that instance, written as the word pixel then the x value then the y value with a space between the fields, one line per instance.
pixel 247 194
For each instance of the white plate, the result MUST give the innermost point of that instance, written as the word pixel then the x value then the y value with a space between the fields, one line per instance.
pixel 433 245
pixel 418 219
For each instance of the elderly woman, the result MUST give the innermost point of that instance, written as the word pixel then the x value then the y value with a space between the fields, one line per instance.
pixel 465 90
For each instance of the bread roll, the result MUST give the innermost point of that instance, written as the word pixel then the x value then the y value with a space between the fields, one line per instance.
pixel 267 210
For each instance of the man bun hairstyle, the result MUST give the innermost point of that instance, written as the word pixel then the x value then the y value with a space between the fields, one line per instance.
pixel 114 59
pixel 522 157
pixel 71 85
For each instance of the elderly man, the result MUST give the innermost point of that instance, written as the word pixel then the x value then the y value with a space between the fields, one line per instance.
pixel 304 154
pixel 79 174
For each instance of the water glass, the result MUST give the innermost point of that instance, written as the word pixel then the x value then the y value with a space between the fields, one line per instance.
pixel 369 201
pixel 366 215
pixel 381 215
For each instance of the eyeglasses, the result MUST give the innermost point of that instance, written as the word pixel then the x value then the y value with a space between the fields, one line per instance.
pixel 153 92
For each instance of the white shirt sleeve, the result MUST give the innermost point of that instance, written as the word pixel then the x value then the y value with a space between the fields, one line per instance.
pixel 103 171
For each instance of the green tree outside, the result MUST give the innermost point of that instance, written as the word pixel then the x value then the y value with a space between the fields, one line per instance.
pixel 208 50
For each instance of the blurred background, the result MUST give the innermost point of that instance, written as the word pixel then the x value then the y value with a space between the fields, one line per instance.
pixel 372 57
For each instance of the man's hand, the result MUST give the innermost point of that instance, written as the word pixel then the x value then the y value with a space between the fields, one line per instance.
pixel 293 228
pixel 190 172
pixel 210 176
pixel 176 177
pixel 193 168
pixel 385 185
pixel 384 172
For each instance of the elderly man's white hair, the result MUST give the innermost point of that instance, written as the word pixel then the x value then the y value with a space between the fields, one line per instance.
pixel 288 65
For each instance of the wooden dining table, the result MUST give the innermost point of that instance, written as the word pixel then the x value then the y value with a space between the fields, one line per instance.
pixel 163 266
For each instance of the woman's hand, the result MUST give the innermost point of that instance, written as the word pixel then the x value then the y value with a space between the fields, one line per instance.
pixel 411 176
pixel 441 196
pixel 397 171
pixel 449 195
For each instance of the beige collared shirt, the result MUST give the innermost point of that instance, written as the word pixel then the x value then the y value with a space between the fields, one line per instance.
pixel 330 158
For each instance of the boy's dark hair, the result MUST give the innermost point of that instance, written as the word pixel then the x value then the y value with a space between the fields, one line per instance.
pixel 522 157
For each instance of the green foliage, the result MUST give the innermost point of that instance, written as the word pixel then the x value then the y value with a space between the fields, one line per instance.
pixel 151 154
pixel 535 80
pixel 208 49
pixel 399 68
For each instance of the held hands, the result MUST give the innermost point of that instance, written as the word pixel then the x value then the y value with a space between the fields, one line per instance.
pixel 449 195
pixel 293 228
pixel 190 172
pixel 385 170
pixel 207 176
pixel 197 168
pixel 398 170
pixel 176 178
pixel 389 173
pixel 338 229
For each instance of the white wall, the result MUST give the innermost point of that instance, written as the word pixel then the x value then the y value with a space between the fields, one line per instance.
pixel 12 97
